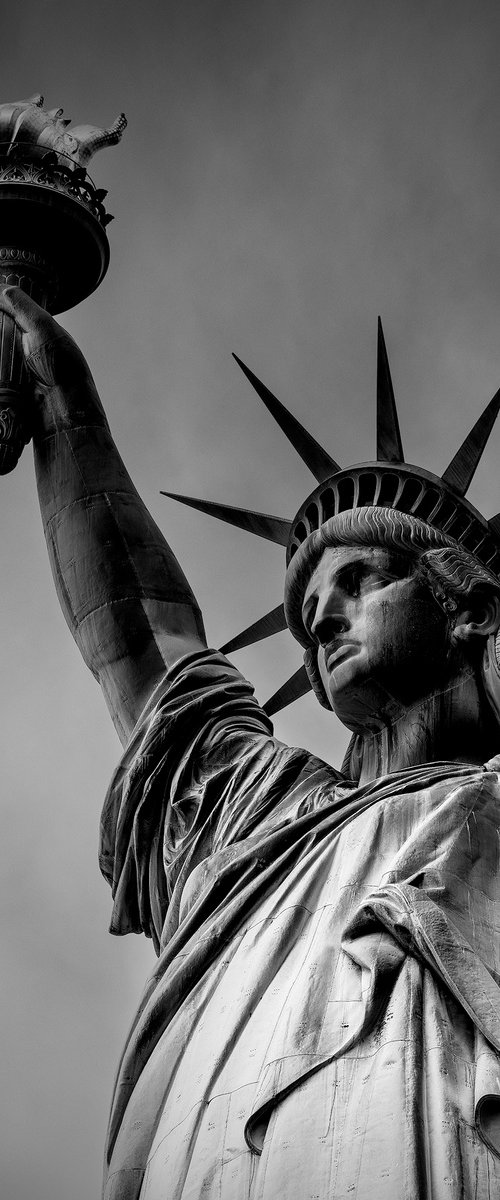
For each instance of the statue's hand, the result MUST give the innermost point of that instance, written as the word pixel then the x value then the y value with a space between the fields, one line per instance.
pixel 64 391
pixel 46 345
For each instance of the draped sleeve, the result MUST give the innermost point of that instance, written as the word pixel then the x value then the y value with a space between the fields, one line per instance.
pixel 200 773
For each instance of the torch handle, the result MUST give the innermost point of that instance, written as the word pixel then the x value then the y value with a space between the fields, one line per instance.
pixel 27 270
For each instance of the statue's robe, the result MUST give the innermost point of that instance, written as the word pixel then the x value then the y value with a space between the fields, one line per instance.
pixel 323 1022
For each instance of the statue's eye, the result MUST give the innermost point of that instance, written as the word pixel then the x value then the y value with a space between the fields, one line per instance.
pixel 351 581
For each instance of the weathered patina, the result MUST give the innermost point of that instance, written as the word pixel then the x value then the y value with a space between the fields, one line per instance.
pixel 323 1020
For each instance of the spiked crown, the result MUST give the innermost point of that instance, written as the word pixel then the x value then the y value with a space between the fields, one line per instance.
pixel 386 483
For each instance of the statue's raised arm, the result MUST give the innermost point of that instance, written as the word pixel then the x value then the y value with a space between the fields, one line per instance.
pixel 122 591
pixel 123 594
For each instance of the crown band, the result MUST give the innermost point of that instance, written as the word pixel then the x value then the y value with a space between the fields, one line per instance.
pixel 410 490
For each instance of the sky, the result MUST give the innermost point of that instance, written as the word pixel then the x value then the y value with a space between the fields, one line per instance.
pixel 290 170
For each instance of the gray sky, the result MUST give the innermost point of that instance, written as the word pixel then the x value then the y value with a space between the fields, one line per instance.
pixel 289 171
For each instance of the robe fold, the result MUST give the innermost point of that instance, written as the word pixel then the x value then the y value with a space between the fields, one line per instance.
pixel 323 1020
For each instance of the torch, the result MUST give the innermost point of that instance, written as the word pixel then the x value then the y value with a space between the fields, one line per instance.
pixel 53 240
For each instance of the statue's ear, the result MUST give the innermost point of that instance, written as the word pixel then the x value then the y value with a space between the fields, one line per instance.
pixel 478 617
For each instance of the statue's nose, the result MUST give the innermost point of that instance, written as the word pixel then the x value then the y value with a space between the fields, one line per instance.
pixel 330 619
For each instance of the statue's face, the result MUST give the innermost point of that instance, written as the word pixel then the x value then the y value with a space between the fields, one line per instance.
pixel 383 641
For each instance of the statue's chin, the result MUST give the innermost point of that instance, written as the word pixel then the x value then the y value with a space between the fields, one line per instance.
pixel 362 702
pixel 350 691
pixel 356 701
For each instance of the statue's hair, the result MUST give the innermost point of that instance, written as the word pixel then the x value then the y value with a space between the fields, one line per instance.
pixel 450 570
pixel 454 573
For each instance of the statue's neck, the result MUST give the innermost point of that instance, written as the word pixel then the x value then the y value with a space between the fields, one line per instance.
pixel 452 725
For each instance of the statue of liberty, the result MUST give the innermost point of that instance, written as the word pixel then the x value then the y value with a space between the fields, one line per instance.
pixel 323 1020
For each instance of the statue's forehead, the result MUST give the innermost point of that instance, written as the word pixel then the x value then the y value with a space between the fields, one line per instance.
pixel 337 556
pixel 333 559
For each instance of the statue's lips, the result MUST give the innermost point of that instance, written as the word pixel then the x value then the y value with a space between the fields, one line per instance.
pixel 339 653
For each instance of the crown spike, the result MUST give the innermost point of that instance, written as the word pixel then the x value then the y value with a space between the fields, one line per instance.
pixel 295 687
pixel 389 444
pixel 274 529
pixel 272 622
pixel 321 465
pixel 460 472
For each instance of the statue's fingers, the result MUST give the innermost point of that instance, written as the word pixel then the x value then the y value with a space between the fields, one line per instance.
pixel 52 356
pixel 28 315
